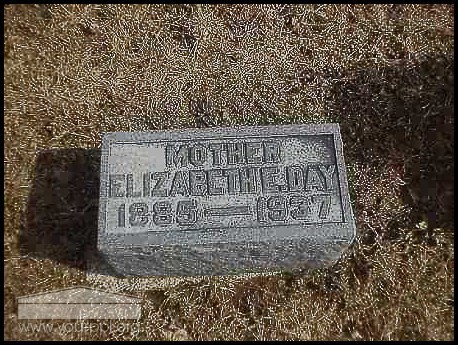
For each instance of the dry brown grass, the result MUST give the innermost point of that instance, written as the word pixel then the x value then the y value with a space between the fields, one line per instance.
pixel 384 72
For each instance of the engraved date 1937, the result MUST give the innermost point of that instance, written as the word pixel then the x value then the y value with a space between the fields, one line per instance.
pixel 279 208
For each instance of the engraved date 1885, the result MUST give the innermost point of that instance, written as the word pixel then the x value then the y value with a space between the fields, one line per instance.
pixel 312 208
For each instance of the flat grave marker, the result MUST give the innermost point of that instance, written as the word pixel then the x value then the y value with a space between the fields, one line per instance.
pixel 223 200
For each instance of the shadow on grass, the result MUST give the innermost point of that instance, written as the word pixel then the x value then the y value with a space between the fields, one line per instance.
pixel 61 217
pixel 403 117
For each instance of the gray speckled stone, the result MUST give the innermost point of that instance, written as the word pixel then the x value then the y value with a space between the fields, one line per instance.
pixel 223 200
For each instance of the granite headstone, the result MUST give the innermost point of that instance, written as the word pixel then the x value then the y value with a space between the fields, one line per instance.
pixel 223 200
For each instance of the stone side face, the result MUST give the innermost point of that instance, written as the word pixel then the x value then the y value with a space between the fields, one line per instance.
pixel 223 200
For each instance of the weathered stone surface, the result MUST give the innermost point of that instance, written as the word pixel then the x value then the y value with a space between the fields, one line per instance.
pixel 224 200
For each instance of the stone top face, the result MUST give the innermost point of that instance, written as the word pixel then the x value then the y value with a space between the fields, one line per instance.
pixel 240 186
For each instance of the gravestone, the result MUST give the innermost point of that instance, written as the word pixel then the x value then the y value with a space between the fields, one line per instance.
pixel 223 200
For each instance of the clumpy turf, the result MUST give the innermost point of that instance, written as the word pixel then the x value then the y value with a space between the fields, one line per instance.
pixel 384 72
